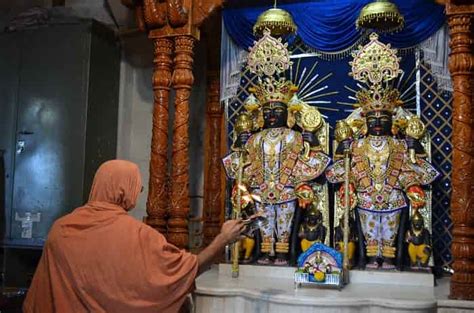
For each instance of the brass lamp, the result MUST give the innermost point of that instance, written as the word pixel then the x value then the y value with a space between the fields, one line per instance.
pixel 382 16
pixel 278 21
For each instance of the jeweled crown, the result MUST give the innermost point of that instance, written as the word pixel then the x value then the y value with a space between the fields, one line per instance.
pixel 375 65
pixel 273 90
pixel 268 59
pixel 378 99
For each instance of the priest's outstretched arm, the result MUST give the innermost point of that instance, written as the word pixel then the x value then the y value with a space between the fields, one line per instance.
pixel 230 232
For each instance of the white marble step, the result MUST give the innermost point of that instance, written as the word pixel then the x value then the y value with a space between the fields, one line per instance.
pixel 252 291
pixel 356 276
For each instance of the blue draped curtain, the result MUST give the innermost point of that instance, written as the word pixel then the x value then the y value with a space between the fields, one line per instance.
pixel 329 26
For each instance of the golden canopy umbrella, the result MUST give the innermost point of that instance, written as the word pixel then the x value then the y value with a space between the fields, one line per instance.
pixel 278 21
pixel 382 16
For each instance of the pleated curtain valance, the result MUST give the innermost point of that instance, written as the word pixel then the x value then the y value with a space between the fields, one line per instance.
pixel 328 26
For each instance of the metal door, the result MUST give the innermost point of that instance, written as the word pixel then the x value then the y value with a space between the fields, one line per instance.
pixel 50 133
pixel 9 69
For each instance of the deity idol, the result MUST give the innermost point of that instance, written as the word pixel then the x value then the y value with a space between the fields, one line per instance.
pixel 419 242
pixel 312 229
pixel 387 160
pixel 276 160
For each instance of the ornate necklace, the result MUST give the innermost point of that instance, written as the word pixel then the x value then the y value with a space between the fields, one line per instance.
pixel 274 132
pixel 377 156
pixel 275 137
pixel 377 143
pixel 313 227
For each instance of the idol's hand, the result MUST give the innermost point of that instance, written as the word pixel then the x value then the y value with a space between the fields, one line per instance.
pixel 410 142
pixel 242 139
pixel 345 145
pixel 310 138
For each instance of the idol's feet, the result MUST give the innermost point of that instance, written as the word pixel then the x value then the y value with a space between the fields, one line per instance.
pixel 420 267
pixel 264 260
pixel 281 262
pixel 388 265
pixel 372 264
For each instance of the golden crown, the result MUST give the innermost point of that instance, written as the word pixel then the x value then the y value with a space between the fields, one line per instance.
pixel 378 100
pixel 273 90
pixel 268 56
pixel 268 59
pixel 376 64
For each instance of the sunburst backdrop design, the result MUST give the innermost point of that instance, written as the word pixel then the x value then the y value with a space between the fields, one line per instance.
pixel 313 88
pixel 405 83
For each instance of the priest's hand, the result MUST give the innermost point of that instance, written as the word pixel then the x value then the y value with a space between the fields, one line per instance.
pixel 231 230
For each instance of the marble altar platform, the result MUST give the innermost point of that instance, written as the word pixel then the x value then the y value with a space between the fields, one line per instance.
pixel 271 289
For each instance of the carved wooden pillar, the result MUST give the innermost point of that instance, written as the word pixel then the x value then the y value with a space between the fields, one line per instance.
pixel 158 197
pixel 213 195
pixel 182 82
pixel 168 21
pixel 461 66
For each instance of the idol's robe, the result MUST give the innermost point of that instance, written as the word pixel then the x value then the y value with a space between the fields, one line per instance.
pixel 275 165
pixel 382 173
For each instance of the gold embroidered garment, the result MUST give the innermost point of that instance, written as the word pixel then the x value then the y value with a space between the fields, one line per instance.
pixel 381 171
pixel 275 164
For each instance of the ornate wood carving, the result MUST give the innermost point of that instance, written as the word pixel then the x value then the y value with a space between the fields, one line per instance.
pixel 213 192
pixel 461 66
pixel 139 16
pixel 166 19
pixel 158 197
pixel 177 14
pixel 155 14
pixel 203 9
pixel 182 82
pixel 179 9
pixel 214 177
